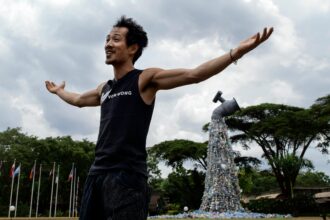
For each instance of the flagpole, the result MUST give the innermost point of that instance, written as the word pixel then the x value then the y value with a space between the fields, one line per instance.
pixel 17 190
pixel 76 202
pixel 56 192
pixel 32 190
pixel 74 191
pixel 70 191
pixel 39 182
pixel 12 186
pixel 51 193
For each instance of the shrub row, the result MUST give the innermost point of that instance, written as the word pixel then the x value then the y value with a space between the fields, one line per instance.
pixel 301 205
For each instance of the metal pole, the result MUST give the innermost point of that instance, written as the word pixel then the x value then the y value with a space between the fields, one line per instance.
pixel 76 205
pixel 71 180
pixel 57 182
pixel 39 182
pixel 32 190
pixel 74 191
pixel 12 186
pixel 17 191
pixel 51 193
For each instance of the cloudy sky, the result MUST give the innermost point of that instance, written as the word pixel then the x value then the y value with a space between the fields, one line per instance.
pixel 64 39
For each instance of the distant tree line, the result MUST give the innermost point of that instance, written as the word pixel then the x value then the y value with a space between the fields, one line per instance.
pixel 25 149
pixel 284 133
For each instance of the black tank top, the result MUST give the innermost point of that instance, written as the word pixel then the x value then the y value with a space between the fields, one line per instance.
pixel 124 125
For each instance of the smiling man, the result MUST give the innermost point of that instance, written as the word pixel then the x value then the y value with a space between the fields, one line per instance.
pixel 116 186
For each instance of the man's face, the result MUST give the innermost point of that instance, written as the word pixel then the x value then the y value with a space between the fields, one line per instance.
pixel 116 50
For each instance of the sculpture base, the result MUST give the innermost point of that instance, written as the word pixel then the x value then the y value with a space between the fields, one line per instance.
pixel 219 215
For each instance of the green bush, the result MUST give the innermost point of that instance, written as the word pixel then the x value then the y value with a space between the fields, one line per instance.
pixel 173 209
pixel 301 205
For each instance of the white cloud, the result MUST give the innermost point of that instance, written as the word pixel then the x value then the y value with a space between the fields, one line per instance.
pixel 316 6
pixel 186 54
pixel 306 61
pixel 193 108
pixel 4 48
pixel 59 3
pixel 282 92
pixel 268 6
pixel 32 117
pixel 21 19
pixel 63 40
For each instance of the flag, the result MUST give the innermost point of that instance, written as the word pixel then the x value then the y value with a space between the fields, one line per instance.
pixel 17 171
pixel 12 170
pixel 51 172
pixel 32 172
pixel 70 175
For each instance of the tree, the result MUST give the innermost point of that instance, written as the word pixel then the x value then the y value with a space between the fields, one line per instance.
pixel 174 153
pixel 284 133
pixel 256 182
pixel 247 163
pixel 25 149
pixel 152 166
pixel 313 179
pixel 321 111
pixel 185 187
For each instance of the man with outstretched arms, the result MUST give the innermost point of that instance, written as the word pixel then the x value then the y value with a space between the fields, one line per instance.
pixel 116 186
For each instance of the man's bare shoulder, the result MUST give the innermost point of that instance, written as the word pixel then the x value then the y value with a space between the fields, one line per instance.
pixel 100 88
pixel 151 70
pixel 146 77
pixel 148 74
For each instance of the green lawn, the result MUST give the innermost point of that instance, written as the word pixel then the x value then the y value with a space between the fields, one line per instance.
pixel 65 218
pixel 296 218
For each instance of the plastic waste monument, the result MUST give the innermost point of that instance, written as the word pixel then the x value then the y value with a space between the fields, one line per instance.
pixel 221 198
pixel 222 192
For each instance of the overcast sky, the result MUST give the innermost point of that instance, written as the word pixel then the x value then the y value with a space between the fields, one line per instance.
pixel 64 40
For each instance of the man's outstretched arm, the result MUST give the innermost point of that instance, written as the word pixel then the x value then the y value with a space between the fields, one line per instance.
pixel 159 79
pixel 90 98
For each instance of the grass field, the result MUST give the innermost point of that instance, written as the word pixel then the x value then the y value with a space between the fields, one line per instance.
pixel 296 218
pixel 63 218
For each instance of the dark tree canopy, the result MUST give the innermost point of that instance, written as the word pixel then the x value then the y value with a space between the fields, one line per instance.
pixel 25 149
pixel 175 152
pixel 321 111
pixel 284 133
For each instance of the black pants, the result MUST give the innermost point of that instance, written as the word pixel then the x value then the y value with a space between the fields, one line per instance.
pixel 119 195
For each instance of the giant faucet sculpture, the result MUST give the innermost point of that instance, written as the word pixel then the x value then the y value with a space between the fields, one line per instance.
pixel 222 192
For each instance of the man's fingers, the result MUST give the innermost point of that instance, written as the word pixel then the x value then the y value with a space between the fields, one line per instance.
pixel 47 84
pixel 265 34
pixel 254 41
pixel 270 32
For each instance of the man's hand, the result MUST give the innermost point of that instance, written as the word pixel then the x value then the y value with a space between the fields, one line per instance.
pixel 53 88
pixel 251 43
pixel 89 98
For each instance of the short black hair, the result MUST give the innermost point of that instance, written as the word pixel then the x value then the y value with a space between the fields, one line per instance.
pixel 135 34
